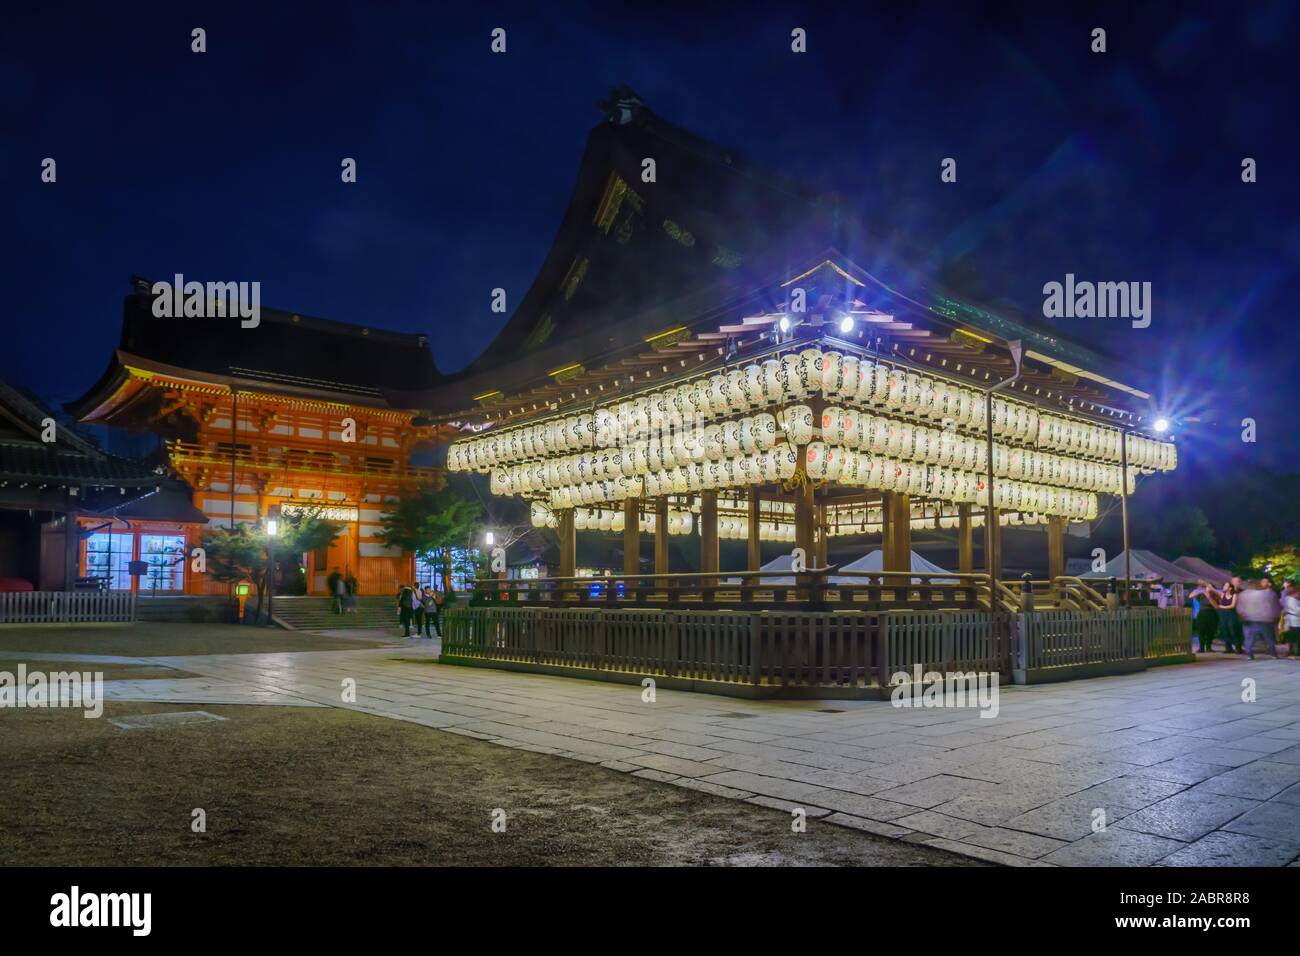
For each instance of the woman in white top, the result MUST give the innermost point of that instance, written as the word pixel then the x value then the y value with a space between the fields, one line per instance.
pixel 1291 613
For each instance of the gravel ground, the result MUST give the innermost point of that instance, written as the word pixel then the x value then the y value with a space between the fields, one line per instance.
pixel 163 640
pixel 283 785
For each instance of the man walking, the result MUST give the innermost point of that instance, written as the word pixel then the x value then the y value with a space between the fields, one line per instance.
pixel 1259 610
pixel 405 603
pixel 431 622
pixel 335 585
pixel 417 608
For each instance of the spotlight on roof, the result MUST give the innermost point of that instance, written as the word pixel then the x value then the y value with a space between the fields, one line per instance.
pixel 846 324
pixel 1162 425
pixel 784 324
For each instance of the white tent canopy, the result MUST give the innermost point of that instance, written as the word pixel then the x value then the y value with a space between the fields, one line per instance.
pixel 1204 570
pixel 1144 564
pixel 871 561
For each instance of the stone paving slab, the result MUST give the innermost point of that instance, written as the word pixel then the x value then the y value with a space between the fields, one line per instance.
pixel 1185 771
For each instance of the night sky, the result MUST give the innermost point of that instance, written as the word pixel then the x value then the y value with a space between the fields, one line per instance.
pixel 225 165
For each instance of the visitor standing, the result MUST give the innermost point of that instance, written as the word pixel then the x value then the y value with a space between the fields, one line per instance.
pixel 430 602
pixel 1259 610
pixel 350 594
pixel 334 584
pixel 405 602
pixel 1205 619
pixel 417 608
pixel 1225 602
pixel 1291 613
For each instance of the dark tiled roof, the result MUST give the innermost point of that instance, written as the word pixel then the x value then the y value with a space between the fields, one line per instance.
pixel 70 459
pixel 284 349
pixel 171 501
pixel 714 231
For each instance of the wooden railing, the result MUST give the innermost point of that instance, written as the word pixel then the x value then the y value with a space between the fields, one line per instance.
pixel 785 649
pixel 1066 637
pixel 817 588
pixel 832 652
pixel 65 607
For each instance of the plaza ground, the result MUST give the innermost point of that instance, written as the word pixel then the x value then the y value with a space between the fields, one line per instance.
pixel 329 786
pixel 1194 764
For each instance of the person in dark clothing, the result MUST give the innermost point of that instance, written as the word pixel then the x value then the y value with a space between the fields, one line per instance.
pixel 431 623
pixel 1230 632
pixel 405 606
pixel 334 584
pixel 1205 620
pixel 350 594
pixel 417 608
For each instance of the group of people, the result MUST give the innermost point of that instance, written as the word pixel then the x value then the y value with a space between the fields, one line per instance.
pixel 422 607
pixel 343 592
pixel 1242 612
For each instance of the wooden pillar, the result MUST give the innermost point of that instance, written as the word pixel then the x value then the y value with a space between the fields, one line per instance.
pixel 896 542
pixel 804 522
pixel 1055 547
pixel 708 535
pixel 823 543
pixel 568 543
pixel 965 541
pixel 755 546
pixel 993 541
pixel 661 536
pixel 631 539
pixel 71 548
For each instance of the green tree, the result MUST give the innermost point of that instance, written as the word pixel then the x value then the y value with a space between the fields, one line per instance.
pixel 432 523
pixel 248 552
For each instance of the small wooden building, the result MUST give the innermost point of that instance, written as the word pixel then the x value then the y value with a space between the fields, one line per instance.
pixel 711 347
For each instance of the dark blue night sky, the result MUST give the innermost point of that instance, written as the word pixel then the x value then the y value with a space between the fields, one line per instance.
pixel 225 165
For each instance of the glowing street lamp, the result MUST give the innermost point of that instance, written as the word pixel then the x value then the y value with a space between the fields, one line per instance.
pixel 1162 425
pixel 489 538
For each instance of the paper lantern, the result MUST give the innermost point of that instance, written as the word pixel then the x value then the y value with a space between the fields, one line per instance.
pixel 753 387
pixel 798 424
pixel 832 378
pixel 791 383
pixel 787 461
pixel 771 379
pixel 811 364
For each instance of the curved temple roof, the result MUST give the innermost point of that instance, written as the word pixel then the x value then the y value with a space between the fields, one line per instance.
pixel 712 239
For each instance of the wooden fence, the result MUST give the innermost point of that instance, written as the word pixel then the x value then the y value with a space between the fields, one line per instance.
pixel 810 653
pixel 1073 638
pixel 66 607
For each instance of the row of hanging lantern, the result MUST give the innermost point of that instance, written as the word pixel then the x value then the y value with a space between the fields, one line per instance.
pixel 830 463
pixel 775 526
pixel 716 454
pixel 863 383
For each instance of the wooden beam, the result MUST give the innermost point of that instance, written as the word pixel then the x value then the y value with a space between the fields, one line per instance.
pixel 897 543
pixel 567 531
pixel 661 536
pixel 708 534
pixel 631 538
pixel 965 541
pixel 1055 547
pixel 755 561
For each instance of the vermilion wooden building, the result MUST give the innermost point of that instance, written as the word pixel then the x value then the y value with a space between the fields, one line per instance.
pixel 296 412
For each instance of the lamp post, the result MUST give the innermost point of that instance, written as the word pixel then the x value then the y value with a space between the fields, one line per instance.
pixel 272 532
pixel 1017 354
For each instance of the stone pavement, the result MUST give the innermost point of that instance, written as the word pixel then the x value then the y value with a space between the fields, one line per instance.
pixel 1179 769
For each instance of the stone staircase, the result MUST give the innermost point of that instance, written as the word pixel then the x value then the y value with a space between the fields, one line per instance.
pixel 313 613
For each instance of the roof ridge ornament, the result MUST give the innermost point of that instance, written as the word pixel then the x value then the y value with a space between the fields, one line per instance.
pixel 621 106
